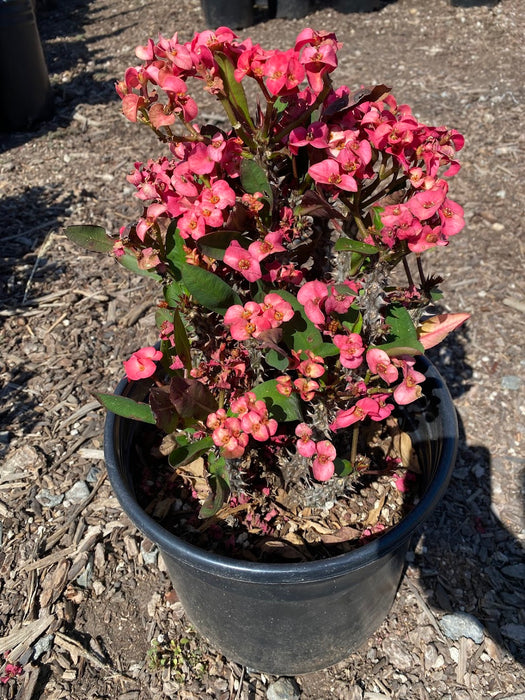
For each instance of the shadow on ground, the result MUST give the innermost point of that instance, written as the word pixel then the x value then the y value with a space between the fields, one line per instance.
pixel 470 561
pixel 61 28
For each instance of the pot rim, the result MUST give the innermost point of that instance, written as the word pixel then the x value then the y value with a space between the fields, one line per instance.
pixel 277 573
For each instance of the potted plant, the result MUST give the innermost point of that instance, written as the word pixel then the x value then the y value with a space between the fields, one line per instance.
pixel 289 386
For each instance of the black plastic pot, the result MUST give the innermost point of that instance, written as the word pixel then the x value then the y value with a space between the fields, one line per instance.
pixel 289 9
pixel 26 93
pixel 235 14
pixel 289 619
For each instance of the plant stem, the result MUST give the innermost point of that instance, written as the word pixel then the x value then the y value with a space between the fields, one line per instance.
pixel 302 118
pixel 353 452
pixel 420 270
pixel 408 273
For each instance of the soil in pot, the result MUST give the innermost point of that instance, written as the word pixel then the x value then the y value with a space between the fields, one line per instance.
pixel 258 523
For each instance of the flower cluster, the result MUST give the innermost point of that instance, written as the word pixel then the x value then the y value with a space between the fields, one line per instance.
pixel 274 239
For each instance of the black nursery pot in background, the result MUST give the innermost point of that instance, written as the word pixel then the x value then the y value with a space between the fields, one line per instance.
pixel 289 619
pixel 235 14
pixel 26 93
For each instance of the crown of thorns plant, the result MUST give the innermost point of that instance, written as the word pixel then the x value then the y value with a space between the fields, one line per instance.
pixel 274 240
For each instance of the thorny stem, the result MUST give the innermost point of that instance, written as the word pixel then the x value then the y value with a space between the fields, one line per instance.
pixel 236 123
pixel 408 273
pixel 353 451
pixel 353 208
pixel 303 117
pixel 420 270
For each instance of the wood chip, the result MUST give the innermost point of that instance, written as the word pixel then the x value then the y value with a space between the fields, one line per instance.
pixel 74 648
pixel 23 637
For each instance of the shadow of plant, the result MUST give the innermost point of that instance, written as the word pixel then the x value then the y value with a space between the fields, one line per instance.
pixel 470 561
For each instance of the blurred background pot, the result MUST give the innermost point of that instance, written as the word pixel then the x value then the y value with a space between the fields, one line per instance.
pixel 235 14
pixel 26 94
pixel 288 619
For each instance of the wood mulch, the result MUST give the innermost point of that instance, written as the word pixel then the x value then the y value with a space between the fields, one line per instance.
pixel 86 607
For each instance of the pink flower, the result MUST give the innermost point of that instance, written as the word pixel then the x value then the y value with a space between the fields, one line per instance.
pixel 311 296
pixel 305 444
pixel 425 204
pixel 284 385
pixel 230 438
pixel 330 172
pixel 316 135
pixel 306 388
pixel 200 161
pixel 340 299
pixel 11 671
pixel 409 389
pixel 313 367
pixel 182 180
pixel 219 196
pixel 270 244
pixel 236 257
pixel 380 363
pixel 323 465
pixel 177 363
pixel 246 321
pixel 142 363
pixel 319 60
pixel 351 349
pixel 276 309
pixel 451 215
pixel 258 425
pixel 359 411
pixel 283 72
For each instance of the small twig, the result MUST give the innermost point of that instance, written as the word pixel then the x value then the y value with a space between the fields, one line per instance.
pixel 49 560
pixel 241 681
pixel 73 647
pixel 45 245
pixel 428 612
pixel 56 323
pixel 23 637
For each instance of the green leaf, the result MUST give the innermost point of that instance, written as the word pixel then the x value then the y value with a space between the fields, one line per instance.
pixel 253 179
pixel 214 244
pixel 127 408
pixel 402 335
pixel 354 325
pixel 92 238
pixel 209 289
pixel 175 255
pixel 355 246
pixel 182 343
pixel 376 217
pixel 233 89
pixel 276 360
pixel 188 453
pixel 220 485
pixel 280 407
pixel 172 293
pixel 299 333
pixel 343 467
pixel 162 316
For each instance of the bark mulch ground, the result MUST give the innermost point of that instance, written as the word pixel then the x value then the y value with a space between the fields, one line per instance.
pixel 86 607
